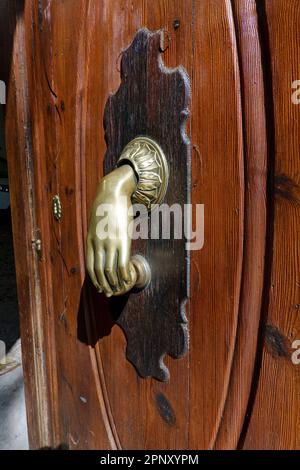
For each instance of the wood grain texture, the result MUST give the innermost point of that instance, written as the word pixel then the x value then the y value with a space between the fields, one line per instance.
pixel 214 323
pixel 255 159
pixel 81 391
pixel 274 414
pixel 218 177
pixel 23 205
pixel 149 419
pixel 71 76
pixel 59 268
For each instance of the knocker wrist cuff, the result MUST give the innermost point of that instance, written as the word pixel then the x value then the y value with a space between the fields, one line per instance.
pixel 150 165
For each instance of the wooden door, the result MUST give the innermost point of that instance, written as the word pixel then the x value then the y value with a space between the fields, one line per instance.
pixel 237 387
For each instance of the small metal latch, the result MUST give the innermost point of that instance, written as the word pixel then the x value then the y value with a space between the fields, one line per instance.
pixel 57 210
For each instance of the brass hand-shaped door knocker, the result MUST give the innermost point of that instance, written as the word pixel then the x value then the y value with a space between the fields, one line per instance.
pixel 141 178
pixel 147 172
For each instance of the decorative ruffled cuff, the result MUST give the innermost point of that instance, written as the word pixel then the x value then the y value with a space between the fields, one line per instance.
pixel 150 165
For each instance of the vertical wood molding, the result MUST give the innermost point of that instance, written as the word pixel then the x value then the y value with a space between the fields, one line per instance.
pixel 255 154
pixel 19 142
pixel 218 182
pixel 274 417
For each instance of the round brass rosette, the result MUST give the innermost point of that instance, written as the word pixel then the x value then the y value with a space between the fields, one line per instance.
pixel 150 165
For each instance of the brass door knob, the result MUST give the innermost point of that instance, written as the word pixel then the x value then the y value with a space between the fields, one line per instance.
pixel 143 271
pixel 141 178
pixel 141 274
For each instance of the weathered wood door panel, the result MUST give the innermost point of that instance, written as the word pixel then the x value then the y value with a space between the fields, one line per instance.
pixel 276 400
pixel 81 391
